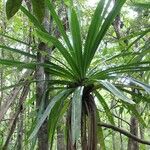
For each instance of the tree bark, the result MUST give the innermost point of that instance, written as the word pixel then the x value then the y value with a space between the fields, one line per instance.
pixel 40 92
pixel 41 88
pixel 133 145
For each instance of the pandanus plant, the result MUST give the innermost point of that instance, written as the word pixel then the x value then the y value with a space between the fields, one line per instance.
pixel 80 83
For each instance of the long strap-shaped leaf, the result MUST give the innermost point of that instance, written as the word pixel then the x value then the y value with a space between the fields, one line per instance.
pixel 17 51
pixel 116 91
pixel 16 64
pixel 56 114
pixel 39 9
pixel 140 66
pixel 76 114
pixel 101 138
pixel 48 110
pixel 93 30
pixel 32 18
pixel 12 6
pixel 141 84
pixel 116 9
pixel 76 38
pixel 105 106
pixel 14 39
pixel 62 50
pixel 52 68
pixel 60 25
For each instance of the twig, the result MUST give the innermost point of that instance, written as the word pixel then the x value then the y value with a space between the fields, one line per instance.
pixel 124 132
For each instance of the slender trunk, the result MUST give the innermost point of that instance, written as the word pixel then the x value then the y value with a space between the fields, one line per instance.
pixel 113 133
pixel 13 123
pixel 20 130
pixel 133 145
pixel 120 125
pixel 40 91
pixel 41 88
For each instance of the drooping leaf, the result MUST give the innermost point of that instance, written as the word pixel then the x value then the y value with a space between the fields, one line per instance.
pixel 127 68
pixel 137 96
pixel 48 110
pixel 39 9
pixel 100 134
pixel 13 63
pixel 76 114
pixel 2 47
pixel 12 6
pixel 116 91
pixel 141 84
pixel 145 5
pixel 105 106
pixel 56 114
pixel 17 40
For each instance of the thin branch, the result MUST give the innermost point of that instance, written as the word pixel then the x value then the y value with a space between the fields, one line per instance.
pixel 13 94
pixel 126 133
pixel 22 98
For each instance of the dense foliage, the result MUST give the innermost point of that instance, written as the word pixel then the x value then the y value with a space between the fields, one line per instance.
pixel 69 71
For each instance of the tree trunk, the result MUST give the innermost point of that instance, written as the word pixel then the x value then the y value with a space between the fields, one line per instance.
pixel 41 88
pixel 20 130
pixel 133 145
pixel 40 91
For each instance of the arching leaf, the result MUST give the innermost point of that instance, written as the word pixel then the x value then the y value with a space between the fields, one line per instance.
pixel 47 111
pixel 12 6
pixel 39 9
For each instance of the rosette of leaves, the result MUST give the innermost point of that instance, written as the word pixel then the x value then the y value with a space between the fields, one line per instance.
pixel 80 83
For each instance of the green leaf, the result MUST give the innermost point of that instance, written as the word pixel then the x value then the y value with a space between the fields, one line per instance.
pixel 138 97
pixel 116 9
pixel 12 6
pixel 76 114
pixel 17 51
pixel 39 9
pixel 100 134
pixel 18 64
pixel 128 68
pixel 105 106
pixel 133 35
pixel 61 48
pixel 145 5
pixel 93 30
pixel 141 84
pixel 76 38
pixel 57 112
pixel 48 110
pixel 116 91
pixel 60 26
pixel 36 23
pixel 17 40
pixel 136 113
